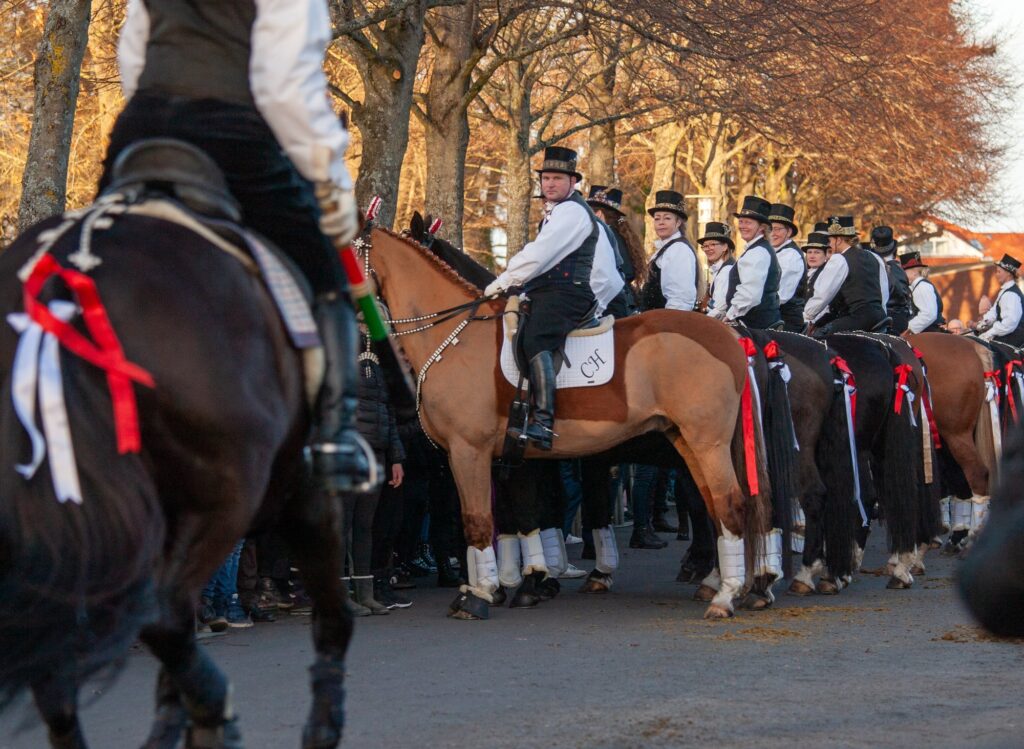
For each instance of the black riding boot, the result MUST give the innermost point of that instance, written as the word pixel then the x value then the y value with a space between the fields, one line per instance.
pixel 342 461
pixel 542 386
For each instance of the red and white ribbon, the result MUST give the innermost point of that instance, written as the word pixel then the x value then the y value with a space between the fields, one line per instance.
pixel 849 386
pixel 37 371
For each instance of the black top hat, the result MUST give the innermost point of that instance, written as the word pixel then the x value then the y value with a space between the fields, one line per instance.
pixel 783 214
pixel 559 159
pixel 841 226
pixel 1010 264
pixel 821 227
pixel 756 208
pixel 714 230
pixel 882 240
pixel 817 240
pixel 668 200
pixel 606 197
pixel 911 260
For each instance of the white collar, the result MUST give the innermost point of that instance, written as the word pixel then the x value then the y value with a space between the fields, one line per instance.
pixel 1008 284
pixel 759 236
pixel 659 243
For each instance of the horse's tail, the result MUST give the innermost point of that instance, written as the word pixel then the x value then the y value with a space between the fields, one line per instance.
pixel 757 506
pixel 902 474
pixel 781 449
pixel 76 580
pixel 985 442
pixel 836 451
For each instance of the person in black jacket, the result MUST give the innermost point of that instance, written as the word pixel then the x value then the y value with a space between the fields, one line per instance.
pixel 899 307
pixel 375 420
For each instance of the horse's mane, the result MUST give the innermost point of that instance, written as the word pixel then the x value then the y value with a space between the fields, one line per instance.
pixel 445 269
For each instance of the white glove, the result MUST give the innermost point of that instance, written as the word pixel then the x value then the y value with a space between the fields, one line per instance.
pixel 339 216
pixel 493 288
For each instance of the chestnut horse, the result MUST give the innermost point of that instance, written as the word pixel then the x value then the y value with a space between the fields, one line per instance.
pixel 677 373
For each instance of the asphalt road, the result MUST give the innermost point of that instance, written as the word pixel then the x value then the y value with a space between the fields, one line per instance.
pixel 638 667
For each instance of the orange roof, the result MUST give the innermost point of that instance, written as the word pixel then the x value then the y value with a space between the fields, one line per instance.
pixel 993 244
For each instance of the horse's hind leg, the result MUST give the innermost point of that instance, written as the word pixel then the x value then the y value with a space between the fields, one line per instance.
pixel 314 530
pixel 56 698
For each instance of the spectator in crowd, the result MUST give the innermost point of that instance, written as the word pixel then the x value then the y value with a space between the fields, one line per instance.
pixel 955 326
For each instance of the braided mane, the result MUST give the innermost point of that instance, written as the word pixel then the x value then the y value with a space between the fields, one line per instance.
pixel 446 270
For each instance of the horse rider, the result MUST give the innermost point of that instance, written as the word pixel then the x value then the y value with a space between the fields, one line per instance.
pixel 753 294
pixel 718 246
pixel 816 254
pixel 792 264
pixel 850 285
pixel 673 275
pixel 900 306
pixel 927 304
pixel 1003 321
pixel 243 81
pixel 554 271
pixel 607 205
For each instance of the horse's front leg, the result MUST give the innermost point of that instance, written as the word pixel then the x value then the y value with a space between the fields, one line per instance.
pixel 314 530
pixel 471 466
pixel 56 698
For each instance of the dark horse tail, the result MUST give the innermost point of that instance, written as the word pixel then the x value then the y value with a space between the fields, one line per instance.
pixel 757 507
pixel 76 581
pixel 840 514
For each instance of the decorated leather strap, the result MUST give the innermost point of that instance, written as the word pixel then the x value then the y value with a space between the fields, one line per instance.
pixel 103 351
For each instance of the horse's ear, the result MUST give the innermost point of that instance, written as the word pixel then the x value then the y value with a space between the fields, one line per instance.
pixel 416 226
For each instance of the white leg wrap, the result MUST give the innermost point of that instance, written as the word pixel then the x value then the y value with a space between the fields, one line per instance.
pixel 713 580
pixel 979 513
pixel 554 551
pixel 902 568
pixel 963 510
pixel 607 550
pixel 483 573
pixel 858 557
pixel 799 519
pixel 796 542
pixel 733 570
pixel 533 553
pixel 509 563
pixel 770 563
pixel 944 514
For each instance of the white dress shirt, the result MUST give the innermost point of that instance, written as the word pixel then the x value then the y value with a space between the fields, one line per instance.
pixel 791 261
pixel 565 227
pixel 719 288
pixel 286 77
pixel 753 269
pixel 605 280
pixel 926 303
pixel 1008 307
pixel 678 266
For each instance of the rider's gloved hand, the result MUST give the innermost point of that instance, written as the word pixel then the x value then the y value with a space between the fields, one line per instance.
pixel 493 288
pixel 339 214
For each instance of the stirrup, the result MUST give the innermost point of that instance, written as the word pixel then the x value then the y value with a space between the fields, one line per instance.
pixel 346 465
pixel 542 441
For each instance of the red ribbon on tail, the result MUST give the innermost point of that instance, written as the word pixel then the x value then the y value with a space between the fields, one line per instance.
pixel 840 363
pixel 1009 389
pixel 103 351
pixel 747 410
pixel 932 426
pixel 902 372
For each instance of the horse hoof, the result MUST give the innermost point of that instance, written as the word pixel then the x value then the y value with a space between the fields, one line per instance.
pixel 499 597
pixel 716 611
pixel 597 582
pixel 226 736
pixel 799 588
pixel 705 593
pixel 890 568
pixel 524 599
pixel 827 588
pixel 755 602
pixel 548 588
pixel 320 737
pixel 935 544
pixel 896 584
pixel 468 607
pixel 917 570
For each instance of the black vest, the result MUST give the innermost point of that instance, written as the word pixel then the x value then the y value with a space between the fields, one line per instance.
pixel 765 313
pixel 935 327
pixel 575 267
pixel 1016 337
pixel 793 311
pixel 625 301
pixel 652 297
pixel 809 278
pixel 199 50
pixel 901 300
pixel 862 289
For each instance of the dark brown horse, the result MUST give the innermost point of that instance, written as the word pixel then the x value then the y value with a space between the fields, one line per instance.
pixel 222 434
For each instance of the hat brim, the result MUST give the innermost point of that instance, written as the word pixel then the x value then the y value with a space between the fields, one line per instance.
pixel 595 203
pixel 885 249
pixel 1008 268
pixel 667 209
pixel 914 264
pixel 577 175
pixel 717 238
pixel 754 215
pixel 822 247
pixel 785 222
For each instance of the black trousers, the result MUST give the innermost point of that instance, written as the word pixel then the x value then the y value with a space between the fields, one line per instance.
pixel 555 311
pixel 863 319
pixel 276 200
pixel 387 524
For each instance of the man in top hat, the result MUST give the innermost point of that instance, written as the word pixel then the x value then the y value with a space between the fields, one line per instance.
pixel 753 294
pixel 794 268
pixel 1003 321
pixel 554 270
pixel 718 246
pixel 927 305
pixel 607 205
pixel 899 307
pixel 673 278
pixel 850 285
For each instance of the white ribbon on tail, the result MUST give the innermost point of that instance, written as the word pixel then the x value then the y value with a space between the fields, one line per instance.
pixel 757 397
pixel 787 375
pixel 909 395
pixel 37 370
pixel 848 391
pixel 992 396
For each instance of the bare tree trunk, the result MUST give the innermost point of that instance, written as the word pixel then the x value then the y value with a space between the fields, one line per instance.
pixel 518 177
pixel 446 125
pixel 601 167
pixel 666 143
pixel 57 69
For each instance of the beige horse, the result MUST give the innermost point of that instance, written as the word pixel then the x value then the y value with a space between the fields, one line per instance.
pixel 678 373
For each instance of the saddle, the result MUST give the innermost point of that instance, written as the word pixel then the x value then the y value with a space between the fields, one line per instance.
pixel 588 356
